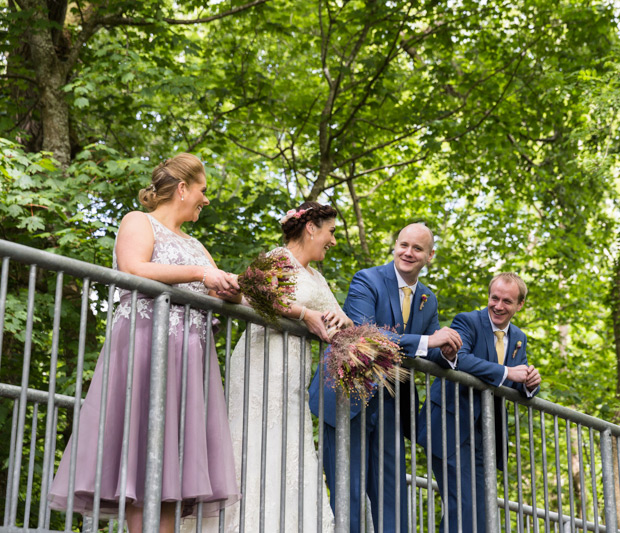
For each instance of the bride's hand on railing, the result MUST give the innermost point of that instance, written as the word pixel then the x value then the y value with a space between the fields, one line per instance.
pixel 335 321
pixel 314 322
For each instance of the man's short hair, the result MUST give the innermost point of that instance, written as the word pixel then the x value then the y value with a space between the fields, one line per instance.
pixel 511 276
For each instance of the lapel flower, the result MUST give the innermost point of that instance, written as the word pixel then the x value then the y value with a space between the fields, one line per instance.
pixel 423 301
pixel 519 344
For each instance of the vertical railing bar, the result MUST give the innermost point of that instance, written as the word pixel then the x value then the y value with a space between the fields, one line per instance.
pixel 530 428
pixel 284 430
pixel 571 492
pixel 320 483
pixel 9 480
pixel 22 398
pixel 490 460
pixel 609 498
pixel 507 524
pixel 543 437
pixel 429 457
pixel 50 475
pixel 48 460
pixel 414 430
pixel 582 478
pixel 77 404
pixel 206 364
pixel 362 487
pixel 33 451
pixel 4 280
pixel 397 438
pixel 421 510
pixel 122 497
pixel 182 421
pixel 157 414
pixel 342 502
pixel 520 518
pixel 244 433
pixel 558 470
pixel 444 457
pixel 263 450
pixel 380 513
pixel 104 407
pixel 227 361
pixel 593 477
pixel 302 412
pixel 457 445
pixel 472 461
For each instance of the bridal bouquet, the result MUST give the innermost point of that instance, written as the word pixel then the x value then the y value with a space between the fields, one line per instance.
pixel 362 357
pixel 268 283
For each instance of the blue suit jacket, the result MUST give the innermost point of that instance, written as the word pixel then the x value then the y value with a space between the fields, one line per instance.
pixel 374 298
pixel 478 357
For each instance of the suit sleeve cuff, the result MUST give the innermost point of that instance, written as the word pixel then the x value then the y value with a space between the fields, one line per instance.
pixel 505 376
pixel 452 363
pixel 422 350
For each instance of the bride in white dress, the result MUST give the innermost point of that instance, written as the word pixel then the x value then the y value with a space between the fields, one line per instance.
pixel 308 233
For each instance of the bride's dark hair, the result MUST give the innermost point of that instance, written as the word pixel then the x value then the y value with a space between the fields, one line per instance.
pixel 293 225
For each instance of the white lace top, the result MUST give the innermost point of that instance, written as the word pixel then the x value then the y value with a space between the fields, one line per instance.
pixel 169 248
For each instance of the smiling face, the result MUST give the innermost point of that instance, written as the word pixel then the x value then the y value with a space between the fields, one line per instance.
pixel 413 251
pixel 503 302
pixel 323 239
pixel 194 197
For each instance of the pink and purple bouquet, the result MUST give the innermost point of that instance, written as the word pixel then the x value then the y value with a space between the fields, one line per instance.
pixel 268 283
pixel 362 357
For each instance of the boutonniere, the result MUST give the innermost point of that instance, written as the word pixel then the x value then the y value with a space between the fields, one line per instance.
pixel 424 298
pixel 519 344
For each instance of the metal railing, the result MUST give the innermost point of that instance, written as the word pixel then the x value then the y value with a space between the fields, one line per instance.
pixel 560 466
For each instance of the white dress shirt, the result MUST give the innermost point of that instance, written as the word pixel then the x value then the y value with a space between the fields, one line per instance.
pixel 422 350
pixel 506 340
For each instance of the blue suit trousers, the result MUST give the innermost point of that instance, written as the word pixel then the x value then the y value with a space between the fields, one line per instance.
pixel 391 506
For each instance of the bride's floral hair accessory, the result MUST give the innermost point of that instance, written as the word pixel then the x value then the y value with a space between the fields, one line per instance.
pixel 292 213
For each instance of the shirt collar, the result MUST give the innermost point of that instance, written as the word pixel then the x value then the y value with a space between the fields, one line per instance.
pixel 402 283
pixel 495 328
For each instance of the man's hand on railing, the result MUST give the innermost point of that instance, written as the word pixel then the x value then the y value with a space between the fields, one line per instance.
pixel 445 337
pixel 533 378
pixel 449 352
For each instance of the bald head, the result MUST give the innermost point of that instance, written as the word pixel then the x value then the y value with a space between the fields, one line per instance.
pixel 413 251
pixel 417 227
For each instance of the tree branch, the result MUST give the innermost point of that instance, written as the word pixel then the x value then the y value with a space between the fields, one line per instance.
pixel 19 77
pixel 128 21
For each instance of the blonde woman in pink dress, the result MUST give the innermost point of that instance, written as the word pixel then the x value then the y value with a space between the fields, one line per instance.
pixel 154 246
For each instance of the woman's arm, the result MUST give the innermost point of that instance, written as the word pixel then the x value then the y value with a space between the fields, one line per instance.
pixel 134 249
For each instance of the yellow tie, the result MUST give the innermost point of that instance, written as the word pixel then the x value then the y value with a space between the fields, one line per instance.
pixel 406 305
pixel 499 346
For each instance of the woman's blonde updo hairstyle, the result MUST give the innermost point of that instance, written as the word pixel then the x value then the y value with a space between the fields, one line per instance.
pixel 167 176
pixel 293 226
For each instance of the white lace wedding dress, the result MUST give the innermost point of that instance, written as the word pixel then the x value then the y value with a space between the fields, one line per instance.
pixel 313 292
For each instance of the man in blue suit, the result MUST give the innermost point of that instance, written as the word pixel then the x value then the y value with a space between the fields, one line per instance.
pixel 389 295
pixel 494 350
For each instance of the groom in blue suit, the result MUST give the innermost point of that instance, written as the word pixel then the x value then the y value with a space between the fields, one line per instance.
pixel 494 351
pixel 391 296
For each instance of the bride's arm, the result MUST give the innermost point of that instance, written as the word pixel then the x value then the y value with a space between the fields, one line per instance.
pixel 312 319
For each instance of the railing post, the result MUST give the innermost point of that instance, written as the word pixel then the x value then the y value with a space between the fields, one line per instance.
pixel 343 473
pixel 157 415
pixel 609 497
pixel 490 460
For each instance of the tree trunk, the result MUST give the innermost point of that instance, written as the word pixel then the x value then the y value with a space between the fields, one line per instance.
pixel 360 220
pixel 51 76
